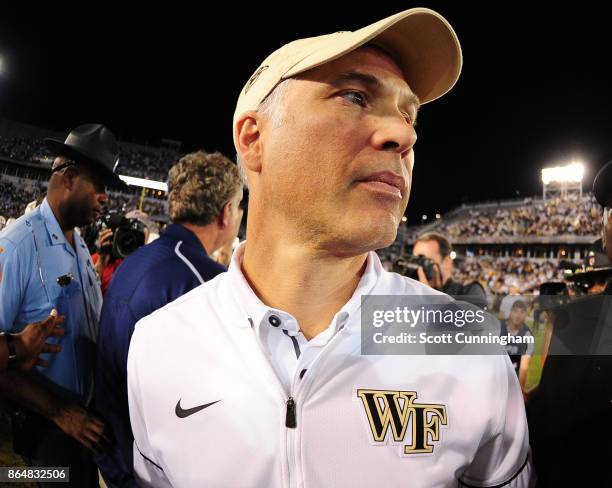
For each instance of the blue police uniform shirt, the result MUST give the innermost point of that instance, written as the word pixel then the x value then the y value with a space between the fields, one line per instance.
pixel 34 253
pixel 148 279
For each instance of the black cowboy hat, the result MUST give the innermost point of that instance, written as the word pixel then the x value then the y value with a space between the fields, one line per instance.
pixel 602 185
pixel 92 145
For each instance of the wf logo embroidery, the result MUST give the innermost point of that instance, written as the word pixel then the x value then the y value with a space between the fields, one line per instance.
pixel 396 410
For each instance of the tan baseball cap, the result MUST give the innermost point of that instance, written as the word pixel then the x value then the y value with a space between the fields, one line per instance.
pixel 421 41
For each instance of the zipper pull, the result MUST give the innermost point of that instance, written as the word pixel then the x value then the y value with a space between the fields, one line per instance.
pixel 290 420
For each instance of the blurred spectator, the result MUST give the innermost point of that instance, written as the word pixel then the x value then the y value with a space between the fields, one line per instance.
pixel 520 354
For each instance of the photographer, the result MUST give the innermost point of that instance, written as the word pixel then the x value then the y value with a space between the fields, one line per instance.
pixel 113 237
pixel 105 263
pixel 437 248
pixel 204 197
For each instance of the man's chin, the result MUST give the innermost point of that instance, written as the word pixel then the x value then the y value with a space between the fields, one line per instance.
pixel 370 236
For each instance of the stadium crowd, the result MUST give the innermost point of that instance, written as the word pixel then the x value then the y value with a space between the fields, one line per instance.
pixel 143 163
pixel 571 216
pixel 504 275
pixel 151 164
pixel 23 149
pixel 14 199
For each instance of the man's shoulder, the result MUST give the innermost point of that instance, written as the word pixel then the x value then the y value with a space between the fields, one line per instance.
pixel 395 284
pixel 150 265
pixel 19 233
pixel 473 288
pixel 160 258
pixel 203 300
pixel 17 238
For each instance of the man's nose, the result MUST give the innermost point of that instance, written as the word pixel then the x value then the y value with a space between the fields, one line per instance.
pixel 395 134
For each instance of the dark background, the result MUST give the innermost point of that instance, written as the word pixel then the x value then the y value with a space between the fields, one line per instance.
pixel 534 90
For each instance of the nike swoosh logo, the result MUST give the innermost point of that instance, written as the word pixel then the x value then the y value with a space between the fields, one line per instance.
pixel 182 413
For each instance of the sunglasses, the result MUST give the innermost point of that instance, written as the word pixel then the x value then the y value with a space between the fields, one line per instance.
pixel 95 178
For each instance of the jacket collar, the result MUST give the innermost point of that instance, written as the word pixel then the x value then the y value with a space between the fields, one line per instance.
pixel 256 312
pixel 56 236
pixel 180 233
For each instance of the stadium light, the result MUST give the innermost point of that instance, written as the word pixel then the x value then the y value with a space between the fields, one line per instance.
pixel 153 185
pixel 571 173
pixel 404 218
pixel 438 216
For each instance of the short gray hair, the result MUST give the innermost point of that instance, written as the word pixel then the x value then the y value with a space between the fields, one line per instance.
pixel 273 108
pixel 273 105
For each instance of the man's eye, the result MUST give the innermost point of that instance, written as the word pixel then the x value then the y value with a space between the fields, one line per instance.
pixel 356 97
pixel 409 119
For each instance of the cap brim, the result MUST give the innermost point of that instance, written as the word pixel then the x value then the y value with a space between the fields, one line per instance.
pixel 597 273
pixel 602 186
pixel 60 149
pixel 420 40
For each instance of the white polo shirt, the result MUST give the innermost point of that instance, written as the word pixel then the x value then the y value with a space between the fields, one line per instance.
pixel 226 392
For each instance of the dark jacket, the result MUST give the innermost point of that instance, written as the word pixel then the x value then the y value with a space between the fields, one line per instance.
pixel 148 279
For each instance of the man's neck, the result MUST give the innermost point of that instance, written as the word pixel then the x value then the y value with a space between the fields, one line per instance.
pixel 446 282
pixel 513 328
pixel 67 229
pixel 206 234
pixel 310 284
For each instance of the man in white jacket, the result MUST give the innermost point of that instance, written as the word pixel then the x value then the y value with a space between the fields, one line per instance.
pixel 256 378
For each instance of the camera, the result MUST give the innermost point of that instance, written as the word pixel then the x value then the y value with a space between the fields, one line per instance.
pixel 552 294
pixel 128 234
pixel 409 267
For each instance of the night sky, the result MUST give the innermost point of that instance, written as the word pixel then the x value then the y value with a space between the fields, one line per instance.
pixel 535 88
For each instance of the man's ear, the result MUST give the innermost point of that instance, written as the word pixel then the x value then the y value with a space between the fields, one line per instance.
pixel 448 263
pixel 248 140
pixel 225 216
pixel 69 176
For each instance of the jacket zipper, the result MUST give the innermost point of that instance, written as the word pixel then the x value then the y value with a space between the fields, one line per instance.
pixel 291 413
pixel 290 420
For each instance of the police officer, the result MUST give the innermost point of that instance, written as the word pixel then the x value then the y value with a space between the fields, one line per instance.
pixel 45 264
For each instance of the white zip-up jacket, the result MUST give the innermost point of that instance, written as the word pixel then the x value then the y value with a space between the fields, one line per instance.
pixel 208 408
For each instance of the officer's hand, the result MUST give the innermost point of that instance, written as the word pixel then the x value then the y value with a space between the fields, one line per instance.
pixel 83 426
pixel 32 341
